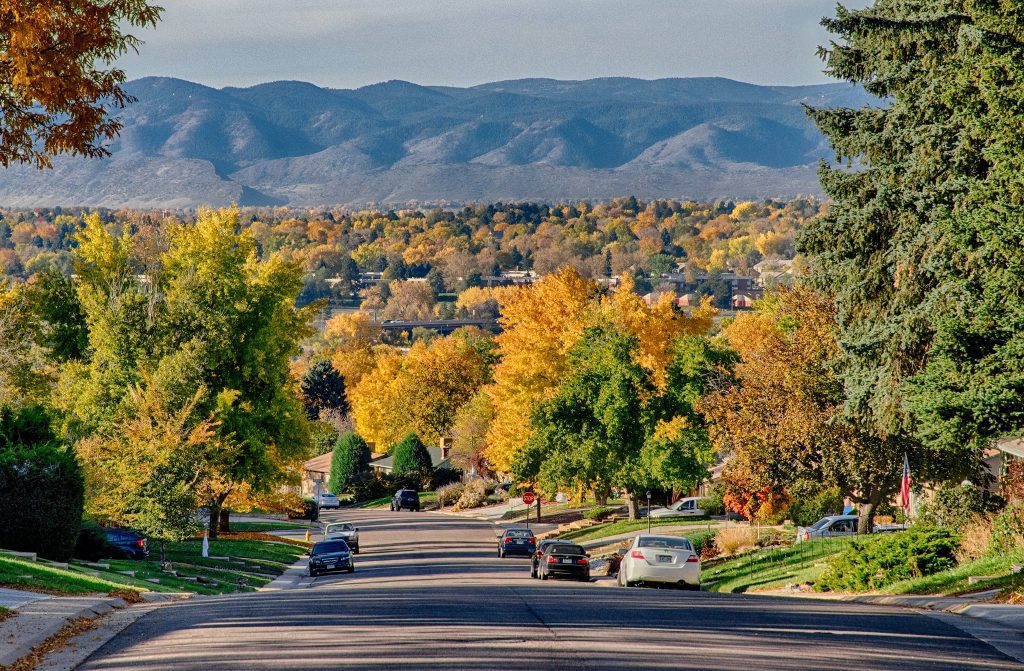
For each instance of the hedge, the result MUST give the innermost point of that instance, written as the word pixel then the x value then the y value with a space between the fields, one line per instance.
pixel 875 561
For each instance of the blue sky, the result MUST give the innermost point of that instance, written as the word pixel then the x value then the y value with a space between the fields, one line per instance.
pixel 350 43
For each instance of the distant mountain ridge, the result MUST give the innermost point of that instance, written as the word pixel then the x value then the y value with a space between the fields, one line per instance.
pixel 294 143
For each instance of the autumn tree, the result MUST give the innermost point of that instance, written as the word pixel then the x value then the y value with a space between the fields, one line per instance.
pixel 206 313
pixel 469 433
pixel 56 95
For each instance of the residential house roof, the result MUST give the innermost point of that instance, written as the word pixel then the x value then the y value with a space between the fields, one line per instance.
pixel 387 463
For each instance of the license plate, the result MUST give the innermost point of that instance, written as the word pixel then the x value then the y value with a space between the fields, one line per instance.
pixel 567 561
pixel 664 559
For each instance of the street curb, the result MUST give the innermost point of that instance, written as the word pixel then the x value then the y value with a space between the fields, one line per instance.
pixel 12 651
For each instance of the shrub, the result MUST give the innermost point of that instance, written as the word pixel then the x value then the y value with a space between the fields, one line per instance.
pixel 42 490
pixel 806 510
pixel 351 457
pixel 732 540
pixel 1007 530
pixel 370 486
pixel 873 562
pixel 308 511
pixel 712 504
pixel 449 494
pixel 445 476
pixel 411 457
pixel 473 496
pixel 598 513
pixel 953 505
pixel 976 539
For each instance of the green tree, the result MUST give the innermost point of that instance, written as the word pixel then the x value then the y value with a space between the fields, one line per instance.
pixel 41 486
pixel 411 457
pixel 351 457
pixel 608 425
pixel 323 389
pixel 919 227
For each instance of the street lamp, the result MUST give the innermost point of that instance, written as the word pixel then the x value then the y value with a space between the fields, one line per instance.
pixel 648 511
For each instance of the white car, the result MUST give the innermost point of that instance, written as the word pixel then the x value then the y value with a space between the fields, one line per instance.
pixel 328 500
pixel 660 559
pixel 832 526
pixel 688 507
pixel 345 531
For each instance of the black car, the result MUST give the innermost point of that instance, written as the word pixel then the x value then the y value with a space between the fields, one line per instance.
pixel 517 542
pixel 541 547
pixel 406 498
pixel 327 556
pixel 565 560
pixel 131 543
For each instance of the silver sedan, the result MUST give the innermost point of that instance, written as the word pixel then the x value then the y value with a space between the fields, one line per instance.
pixel 660 559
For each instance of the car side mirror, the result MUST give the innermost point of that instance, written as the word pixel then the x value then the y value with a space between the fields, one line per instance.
pixel 622 552
pixel 306 554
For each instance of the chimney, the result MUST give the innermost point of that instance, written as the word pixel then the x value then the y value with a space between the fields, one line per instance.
pixel 446 447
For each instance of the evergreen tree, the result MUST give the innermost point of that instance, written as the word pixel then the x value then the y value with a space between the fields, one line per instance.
pixel 351 457
pixel 411 457
pixel 323 389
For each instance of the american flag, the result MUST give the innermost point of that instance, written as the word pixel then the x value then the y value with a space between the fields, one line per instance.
pixel 905 485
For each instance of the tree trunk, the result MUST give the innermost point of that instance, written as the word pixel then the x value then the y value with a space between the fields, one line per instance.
pixel 867 510
pixel 216 505
pixel 225 521
pixel 634 506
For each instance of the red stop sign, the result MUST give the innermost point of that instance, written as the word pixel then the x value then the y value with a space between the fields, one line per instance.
pixel 529 497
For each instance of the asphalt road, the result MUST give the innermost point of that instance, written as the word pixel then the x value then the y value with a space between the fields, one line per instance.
pixel 430 593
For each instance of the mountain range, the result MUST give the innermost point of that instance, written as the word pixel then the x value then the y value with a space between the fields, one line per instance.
pixel 293 143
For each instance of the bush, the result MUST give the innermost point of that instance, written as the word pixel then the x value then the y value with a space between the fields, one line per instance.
pixel 1007 530
pixel 712 504
pixel 598 513
pixel 976 539
pixel 473 496
pixel 445 476
pixel 449 494
pixel 805 511
pixel 732 540
pixel 42 490
pixel 92 544
pixel 873 562
pixel 370 486
pixel 308 511
pixel 954 505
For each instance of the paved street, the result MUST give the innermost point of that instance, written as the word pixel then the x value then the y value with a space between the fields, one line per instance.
pixel 430 593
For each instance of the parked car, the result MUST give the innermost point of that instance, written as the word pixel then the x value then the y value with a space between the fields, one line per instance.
pixel 327 556
pixel 688 507
pixel 406 498
pixel 832 526
pixel 328 500
pixel 132 543
pixel 566 560
pixel 345 531
pixel 541 546
pixel 517 542
pixel 666 560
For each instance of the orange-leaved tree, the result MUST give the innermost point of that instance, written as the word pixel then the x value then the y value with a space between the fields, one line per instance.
pixel 54 99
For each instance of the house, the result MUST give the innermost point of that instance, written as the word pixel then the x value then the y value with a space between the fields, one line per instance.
pixel 439 459
pixel 742 302
pixel 314 470
pixel 996 458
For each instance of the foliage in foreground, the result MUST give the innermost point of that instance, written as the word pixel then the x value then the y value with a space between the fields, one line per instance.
pixel 875 562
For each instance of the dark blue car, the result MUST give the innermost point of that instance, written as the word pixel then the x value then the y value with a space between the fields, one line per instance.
pixel 332 555
pixel 517 542
pixel 131 543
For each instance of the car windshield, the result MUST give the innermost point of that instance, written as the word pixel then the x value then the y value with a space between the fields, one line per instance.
pixel 662 542
pixel 518 533
pixel 567 550
pixel 330 547
pixel 338 527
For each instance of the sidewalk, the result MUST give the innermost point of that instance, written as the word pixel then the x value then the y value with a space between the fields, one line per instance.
pixel 39 619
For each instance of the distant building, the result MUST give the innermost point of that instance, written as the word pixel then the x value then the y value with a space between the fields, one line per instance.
pixel 439 459
pixel 511 278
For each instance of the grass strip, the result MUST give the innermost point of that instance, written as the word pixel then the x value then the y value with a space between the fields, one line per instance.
pixel 606 529
pixel 770 568
pixel 954 580
pixel 250 527
pixel 35 577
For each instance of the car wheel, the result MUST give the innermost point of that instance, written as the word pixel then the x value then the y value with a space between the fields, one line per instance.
pixel 544 575
pixel 352 568
pixel 312 573
pixel 392 507
pixel 501 555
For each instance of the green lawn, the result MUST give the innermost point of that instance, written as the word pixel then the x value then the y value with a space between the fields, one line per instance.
pixel 21 574
pixel 256 563
pixel 771 567
pixel 268 526
pixel 606 529
pixel 954 580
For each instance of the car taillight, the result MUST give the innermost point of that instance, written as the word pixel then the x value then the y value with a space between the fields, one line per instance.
pixel 141 542
pixel 583 561
pixel 506 540
pixel 637 554
pixel 552 560
pixel 807 536
pixel 692 559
